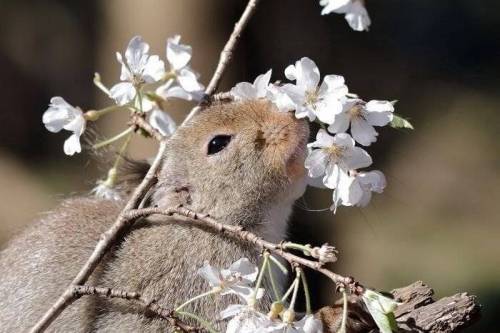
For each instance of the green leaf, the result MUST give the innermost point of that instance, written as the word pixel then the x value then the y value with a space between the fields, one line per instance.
pixel 381 309
pixel 400 122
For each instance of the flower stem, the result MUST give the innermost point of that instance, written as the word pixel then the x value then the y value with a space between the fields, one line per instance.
pixel 278 264
pixel 202 321
pixel 343 323
pixel 94 115
pixel 265 263
pixel 305 248
pixel 100 85
pixel 189 301
pixel 289 291
pixel 113 139
pixel 277 296
pixel 295 289
pixel 121 153
pixel 307 295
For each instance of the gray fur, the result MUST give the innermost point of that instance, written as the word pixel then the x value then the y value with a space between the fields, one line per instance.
pixel 261 169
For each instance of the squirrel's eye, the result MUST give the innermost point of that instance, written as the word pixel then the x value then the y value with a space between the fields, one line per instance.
pixel 218 143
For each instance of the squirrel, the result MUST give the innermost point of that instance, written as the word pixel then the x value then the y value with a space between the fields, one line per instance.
pixel 240 162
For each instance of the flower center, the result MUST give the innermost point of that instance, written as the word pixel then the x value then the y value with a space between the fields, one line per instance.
pixel 335 151
pixel 311 97
pixel 356 111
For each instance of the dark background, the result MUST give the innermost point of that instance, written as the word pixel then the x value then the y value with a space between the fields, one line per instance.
pixel 438 220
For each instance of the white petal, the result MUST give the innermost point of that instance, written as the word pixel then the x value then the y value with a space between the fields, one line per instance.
pixel 77 124
pixel 379 106
pixel 137 54
pixel 231 311
pixel 323 140
pixel 153 70
pixel 122 92
pixel 309 324
pixel 356 158
pixel 146 104
pixel 72 145
pixel 247 270
pixel 307 73
pixel 178 55
pixel 340 123
pixel 363 132
pixel 350 191
pixel 244 91
pixel 379 118
pixel 327 109
pixel 282 101
pixel 188 80
pixel 290 73
pixel 333 175
pixel 357 16
pixel 333 86
pixel 316 163
pixel 305 112
pixel 125 74
pixel 54 119
pixel 211 274
pixel 162 122
pixel 57 115
pixel 334 6
pixel 344 140
pixel 261 83
pixel 295 93
pixel 374 180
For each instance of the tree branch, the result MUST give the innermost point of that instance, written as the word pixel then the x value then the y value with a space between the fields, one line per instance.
pixel 150 305
pixel 110 236
pixel 418 312
pixel 139 122
pixel 238 233
pixel 227 53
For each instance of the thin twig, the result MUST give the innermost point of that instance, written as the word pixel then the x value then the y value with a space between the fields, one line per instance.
pixel 227 53
pixel 140 122
pixel 147 304
pixel 238 233
pixel 106 241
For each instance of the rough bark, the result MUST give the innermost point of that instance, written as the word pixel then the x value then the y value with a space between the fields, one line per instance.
pixel 419 312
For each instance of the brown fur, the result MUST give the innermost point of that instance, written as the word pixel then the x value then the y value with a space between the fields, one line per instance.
pixel 253 183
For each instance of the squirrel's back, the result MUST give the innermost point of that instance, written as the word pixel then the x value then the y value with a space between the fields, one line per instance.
pixel 157 259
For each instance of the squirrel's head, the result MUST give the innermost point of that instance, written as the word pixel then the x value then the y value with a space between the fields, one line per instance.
pixel 235 161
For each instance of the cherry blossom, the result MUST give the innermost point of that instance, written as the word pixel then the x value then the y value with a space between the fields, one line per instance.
pixel 355 12
pixel 334 158
pixel 137 68
pixel 234 280
pixel 245 320
pixel 172 90
pixel 362 117
pixel 259 88
pixel 178 57
pixel 62 115
pixel 311 101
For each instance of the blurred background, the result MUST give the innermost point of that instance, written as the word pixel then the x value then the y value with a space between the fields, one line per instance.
pixel 439 219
